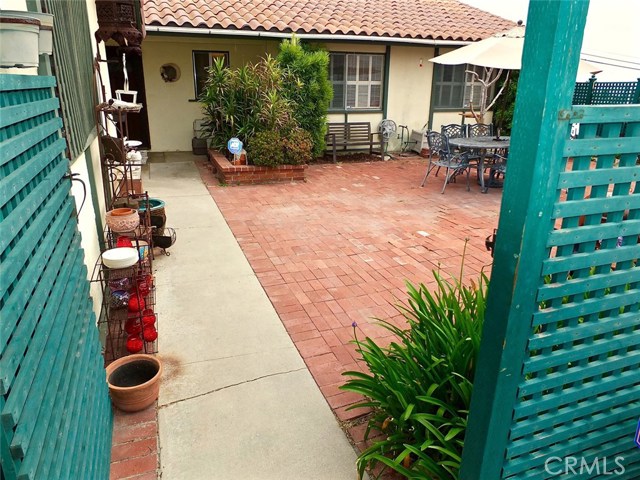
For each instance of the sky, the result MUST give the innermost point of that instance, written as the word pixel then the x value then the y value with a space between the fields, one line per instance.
pixel 612 33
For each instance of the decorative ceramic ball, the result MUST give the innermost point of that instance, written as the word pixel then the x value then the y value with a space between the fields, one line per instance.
pixel 120 284
pixel 134 344
pixel 149 333
pixel 148 319
pixel 144 287
pixel 133 327
pixel 136 303
pixel 119 299
pixel 124 242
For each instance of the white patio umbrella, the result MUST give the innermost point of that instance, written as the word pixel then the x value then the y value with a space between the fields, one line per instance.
pixel 502 51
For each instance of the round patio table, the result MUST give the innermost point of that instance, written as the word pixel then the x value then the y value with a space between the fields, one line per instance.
pixel 481 145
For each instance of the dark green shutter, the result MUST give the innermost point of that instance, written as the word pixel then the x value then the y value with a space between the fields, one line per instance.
pixel 55 413
pixel 73 67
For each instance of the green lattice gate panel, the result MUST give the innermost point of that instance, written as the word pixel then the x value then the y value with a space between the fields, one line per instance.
pixel 579 394
pixel 557 386
pixel 54 407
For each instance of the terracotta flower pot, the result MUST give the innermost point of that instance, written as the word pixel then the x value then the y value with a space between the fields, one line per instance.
pixel 119 212
pixel 134 381
pixel 122 219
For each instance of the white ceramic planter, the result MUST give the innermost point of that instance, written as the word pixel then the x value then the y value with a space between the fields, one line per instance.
pixel 19 40
pixel 45 40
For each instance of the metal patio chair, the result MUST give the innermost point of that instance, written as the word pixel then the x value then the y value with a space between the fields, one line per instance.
pixel 454 130
pixel 480 130
pixel 440 156
pixel 497 168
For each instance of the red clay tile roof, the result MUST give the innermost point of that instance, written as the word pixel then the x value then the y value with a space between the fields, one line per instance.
pixel 410 19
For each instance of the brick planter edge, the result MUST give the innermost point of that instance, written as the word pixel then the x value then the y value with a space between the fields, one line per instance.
pixel 231 174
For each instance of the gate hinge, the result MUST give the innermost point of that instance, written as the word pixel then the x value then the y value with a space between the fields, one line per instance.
pixel 570 114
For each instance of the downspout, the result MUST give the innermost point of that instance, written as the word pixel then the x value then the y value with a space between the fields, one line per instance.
pixel 385 86
pixel 433 90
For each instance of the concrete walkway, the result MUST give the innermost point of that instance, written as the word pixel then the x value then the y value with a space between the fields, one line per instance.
pixel 237 401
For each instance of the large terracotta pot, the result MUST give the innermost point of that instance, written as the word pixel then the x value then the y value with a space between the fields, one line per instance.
pixel 134 381
pixel 123 219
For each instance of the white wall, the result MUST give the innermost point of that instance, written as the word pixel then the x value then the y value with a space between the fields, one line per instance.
pixel 409 96
pixel 13 5
pixel 87 217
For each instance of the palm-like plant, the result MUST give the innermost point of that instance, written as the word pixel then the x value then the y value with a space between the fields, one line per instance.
pixel 420 387
pixel 243 101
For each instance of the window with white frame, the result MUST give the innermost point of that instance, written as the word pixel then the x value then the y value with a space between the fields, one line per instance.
pixel 357 80
pixel 453 85
pixel 202 61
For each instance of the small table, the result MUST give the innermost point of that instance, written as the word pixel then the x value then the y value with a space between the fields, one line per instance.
pixel 482 144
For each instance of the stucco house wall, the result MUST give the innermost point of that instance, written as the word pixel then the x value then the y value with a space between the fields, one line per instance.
pixel 172 107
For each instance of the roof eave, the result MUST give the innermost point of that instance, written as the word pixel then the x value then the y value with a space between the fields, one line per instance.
pixel 302 35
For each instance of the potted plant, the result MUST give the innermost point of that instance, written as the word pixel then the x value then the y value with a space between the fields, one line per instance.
pixel 134 381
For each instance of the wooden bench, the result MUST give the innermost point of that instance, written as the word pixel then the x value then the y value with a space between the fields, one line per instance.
pixel 353 134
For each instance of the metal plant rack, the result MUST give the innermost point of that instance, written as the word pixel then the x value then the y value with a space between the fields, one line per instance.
pixel 120 189
pixel 112 322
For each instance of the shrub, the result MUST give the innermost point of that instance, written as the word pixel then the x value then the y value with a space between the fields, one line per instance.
pixel 298 147
pixel 307 85
pixel 505 105
pixel 420 387
pixel 267 149
pixel 244 101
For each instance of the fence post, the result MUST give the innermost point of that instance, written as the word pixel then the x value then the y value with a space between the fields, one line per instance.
pixel 592 83
pixel 636 96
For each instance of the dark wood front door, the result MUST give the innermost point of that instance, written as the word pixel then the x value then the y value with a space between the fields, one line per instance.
pixel 138 122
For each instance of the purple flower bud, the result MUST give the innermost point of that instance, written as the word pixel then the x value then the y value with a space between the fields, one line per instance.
pixel 354 324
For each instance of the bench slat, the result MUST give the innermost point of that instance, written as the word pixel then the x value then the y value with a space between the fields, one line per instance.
pixel 356 134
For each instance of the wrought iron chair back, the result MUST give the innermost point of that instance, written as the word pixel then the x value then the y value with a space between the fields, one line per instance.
pixel 480 130
pixel 440 156
pixel 454 130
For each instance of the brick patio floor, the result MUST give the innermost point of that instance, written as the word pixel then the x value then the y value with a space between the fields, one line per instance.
pixel 134 450
pixel 339 248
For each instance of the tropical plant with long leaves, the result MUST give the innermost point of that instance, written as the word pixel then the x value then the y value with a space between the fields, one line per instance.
pixel 420 386
pixel 243 101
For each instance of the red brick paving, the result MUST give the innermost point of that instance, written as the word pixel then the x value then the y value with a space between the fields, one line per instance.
pixel 134 450
pixel 339 247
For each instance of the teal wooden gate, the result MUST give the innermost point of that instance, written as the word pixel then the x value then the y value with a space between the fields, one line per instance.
pixel 557 387
pixel 55 410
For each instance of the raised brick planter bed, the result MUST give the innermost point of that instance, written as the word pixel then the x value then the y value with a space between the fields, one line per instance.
pixel 251 174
